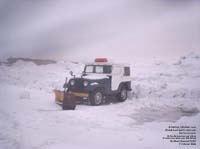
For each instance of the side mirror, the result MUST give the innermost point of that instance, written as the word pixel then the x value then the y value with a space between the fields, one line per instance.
pixel 71 73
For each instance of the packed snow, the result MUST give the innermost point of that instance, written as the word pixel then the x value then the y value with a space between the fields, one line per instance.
pixel 163 95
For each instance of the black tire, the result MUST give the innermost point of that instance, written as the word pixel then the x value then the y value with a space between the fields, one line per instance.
pixel 96 97
pixel 69 102
pixel 122 95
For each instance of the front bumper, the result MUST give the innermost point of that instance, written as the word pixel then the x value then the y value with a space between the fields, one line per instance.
pixel 79 94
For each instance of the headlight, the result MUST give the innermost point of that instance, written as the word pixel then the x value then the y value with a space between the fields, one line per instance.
pixel 85 83
pixel 72 82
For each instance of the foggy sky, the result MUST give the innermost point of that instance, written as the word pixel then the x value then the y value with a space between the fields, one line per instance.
pixel 83 29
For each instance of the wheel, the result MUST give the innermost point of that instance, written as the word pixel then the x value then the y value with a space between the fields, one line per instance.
pixel 96 98
pixel 122 96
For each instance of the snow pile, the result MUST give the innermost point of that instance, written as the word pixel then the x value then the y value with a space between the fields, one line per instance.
pixel 180 80
pixel 43 77
pixel 190 59
pixel 163 81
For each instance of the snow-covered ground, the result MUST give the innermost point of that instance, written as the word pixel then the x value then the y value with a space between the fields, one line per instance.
pixel 163 95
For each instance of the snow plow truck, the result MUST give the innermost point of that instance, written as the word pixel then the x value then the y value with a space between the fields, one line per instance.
pixel 99 80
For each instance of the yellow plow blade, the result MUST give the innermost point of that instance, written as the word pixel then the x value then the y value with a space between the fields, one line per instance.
pixel 59 96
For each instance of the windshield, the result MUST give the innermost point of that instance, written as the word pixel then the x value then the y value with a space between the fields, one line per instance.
pixel 97 69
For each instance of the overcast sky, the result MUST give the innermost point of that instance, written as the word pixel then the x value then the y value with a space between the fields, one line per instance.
pixel 83 29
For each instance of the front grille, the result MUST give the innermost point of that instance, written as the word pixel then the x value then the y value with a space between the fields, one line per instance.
pixel 78 86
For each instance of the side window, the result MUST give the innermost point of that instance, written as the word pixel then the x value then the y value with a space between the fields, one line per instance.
pixel 89 69
pixel 126 71
pixel 107 69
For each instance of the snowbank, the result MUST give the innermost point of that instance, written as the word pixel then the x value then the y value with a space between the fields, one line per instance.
pixel 43 77
pixel 178 80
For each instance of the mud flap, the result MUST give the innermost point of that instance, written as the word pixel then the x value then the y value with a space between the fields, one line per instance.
pixel 69 102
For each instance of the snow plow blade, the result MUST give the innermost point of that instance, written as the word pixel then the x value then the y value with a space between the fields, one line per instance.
pixel 59 96
pixel 67 100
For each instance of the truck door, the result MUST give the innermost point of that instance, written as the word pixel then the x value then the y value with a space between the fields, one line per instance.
pixel 117 72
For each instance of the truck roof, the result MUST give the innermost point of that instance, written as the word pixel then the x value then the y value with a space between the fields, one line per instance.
pixel 108 63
